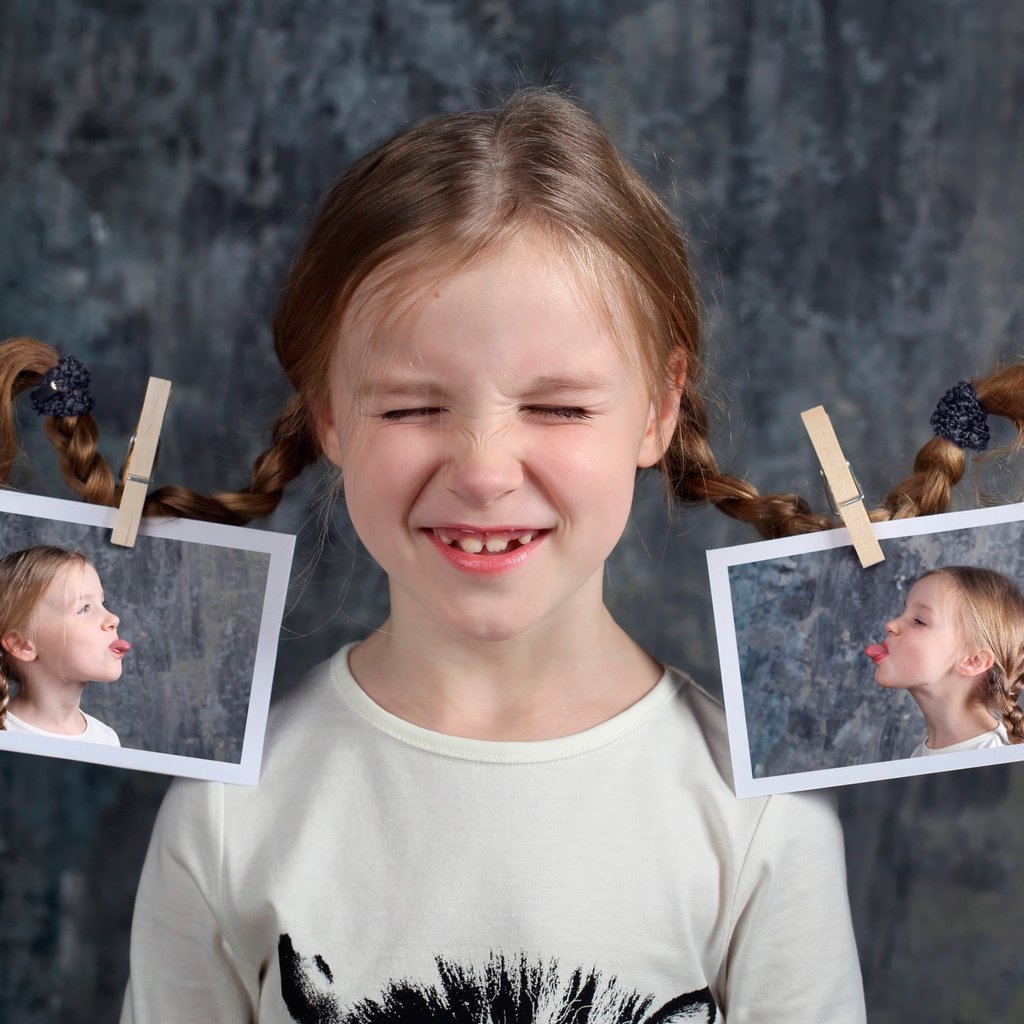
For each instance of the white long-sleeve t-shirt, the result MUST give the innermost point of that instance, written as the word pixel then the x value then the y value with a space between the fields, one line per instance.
pixel 381 872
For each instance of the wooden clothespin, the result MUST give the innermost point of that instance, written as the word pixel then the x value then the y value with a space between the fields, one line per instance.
pixel 843 489
pixel 138 462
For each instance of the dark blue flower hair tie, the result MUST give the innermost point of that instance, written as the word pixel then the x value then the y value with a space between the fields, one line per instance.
pixel 960 417
pixel 64 390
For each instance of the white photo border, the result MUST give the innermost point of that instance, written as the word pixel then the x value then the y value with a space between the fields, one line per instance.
pixel 719 561
pixel 279 547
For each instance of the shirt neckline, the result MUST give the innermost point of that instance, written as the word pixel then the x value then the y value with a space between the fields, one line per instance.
pixel 499 751
pixel 28 727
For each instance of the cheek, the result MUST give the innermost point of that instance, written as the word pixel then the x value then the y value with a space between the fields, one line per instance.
pixel 381 478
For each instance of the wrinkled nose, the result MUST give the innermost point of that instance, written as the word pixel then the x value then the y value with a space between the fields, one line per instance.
pixel 482 470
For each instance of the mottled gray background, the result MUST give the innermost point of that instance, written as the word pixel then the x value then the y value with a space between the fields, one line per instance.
pixel 850 174
pixel 192 614
pixel 802 622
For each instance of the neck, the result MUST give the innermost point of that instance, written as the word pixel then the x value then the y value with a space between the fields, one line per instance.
pixel 952 719
pixel 540 685
pixel 53 706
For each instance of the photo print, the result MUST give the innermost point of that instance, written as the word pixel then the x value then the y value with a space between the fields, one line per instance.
pixel 835 674
pixel 168 646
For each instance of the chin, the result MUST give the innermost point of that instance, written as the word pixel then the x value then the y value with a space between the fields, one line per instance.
pixel 492 629
pixel 890 684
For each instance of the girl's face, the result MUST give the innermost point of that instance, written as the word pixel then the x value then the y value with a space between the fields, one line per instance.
pixel 489 454
pixel 923 645
pixel 73 637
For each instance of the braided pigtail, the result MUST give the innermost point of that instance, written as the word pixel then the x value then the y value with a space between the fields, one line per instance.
pixel 1004 689
pixel 5 693
pixel 83 467
pixel 26 363
pixel 293 448
pixel 693 474
pixel 960 423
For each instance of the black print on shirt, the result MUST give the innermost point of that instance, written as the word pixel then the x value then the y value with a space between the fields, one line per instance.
pixel 504 992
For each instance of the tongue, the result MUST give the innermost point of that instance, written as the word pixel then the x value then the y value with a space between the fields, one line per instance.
pixel 875 651
pixel 120 647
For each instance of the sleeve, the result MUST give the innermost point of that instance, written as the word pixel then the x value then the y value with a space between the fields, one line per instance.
pixel 792 955
pixel 183 966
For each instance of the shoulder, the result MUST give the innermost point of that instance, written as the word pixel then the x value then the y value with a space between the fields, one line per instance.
pixel 997 737
pixel 309 731
pixel 313 709
pixel 98 732
pixel 698 718
pixel 13 723
pixel 701 719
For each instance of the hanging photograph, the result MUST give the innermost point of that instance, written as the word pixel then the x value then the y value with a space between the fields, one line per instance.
pixel 834 674
pixel 158 657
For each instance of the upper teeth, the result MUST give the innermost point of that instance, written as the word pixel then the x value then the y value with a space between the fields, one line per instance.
pixel 473 545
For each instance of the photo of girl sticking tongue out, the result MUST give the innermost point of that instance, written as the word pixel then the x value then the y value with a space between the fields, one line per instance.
pixel 958 649
pixel 55 637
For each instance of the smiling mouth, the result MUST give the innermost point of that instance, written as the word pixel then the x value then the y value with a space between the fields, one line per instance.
pixel 498 542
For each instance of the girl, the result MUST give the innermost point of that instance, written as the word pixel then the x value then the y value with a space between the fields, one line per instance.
pixel 497 806
pixel 55 637
pixel 958 648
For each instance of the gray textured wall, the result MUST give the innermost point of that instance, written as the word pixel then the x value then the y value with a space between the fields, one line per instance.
pixel 849 171
pixel 802 623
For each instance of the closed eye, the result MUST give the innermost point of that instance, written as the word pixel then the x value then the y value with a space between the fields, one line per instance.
pixel 85 609
pixel 396 415
pixel 562 412
pixel 920 622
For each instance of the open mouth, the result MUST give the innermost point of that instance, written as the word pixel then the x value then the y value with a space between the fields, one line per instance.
pixel 120 647
pixel 498 542
pixel 876 652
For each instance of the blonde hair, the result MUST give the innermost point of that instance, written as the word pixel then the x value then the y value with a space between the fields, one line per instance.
pixel 990 616
pixel 436 196
pixel 24 578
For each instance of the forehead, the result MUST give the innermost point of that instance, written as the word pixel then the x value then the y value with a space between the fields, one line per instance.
pixel 523 299
pixel 73 580
pixel 935 591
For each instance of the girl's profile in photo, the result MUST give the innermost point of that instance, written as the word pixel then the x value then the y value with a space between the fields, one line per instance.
pixel 56 636
pixel 958 649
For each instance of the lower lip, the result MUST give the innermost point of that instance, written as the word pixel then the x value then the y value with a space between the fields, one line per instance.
pixel 484 565
pixel 879 658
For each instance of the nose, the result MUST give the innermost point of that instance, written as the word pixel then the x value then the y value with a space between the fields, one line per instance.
pixel 111 621
pixel 892 627
pixel 482 469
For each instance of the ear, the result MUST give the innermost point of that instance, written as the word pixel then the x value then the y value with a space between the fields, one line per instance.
pixel 663 417
pixel 18 647
pixel 325 425
pixel 976 663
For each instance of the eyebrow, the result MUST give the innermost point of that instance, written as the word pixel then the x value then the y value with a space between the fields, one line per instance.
pixel 584 382
pixel 397 389
pixel 577 383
